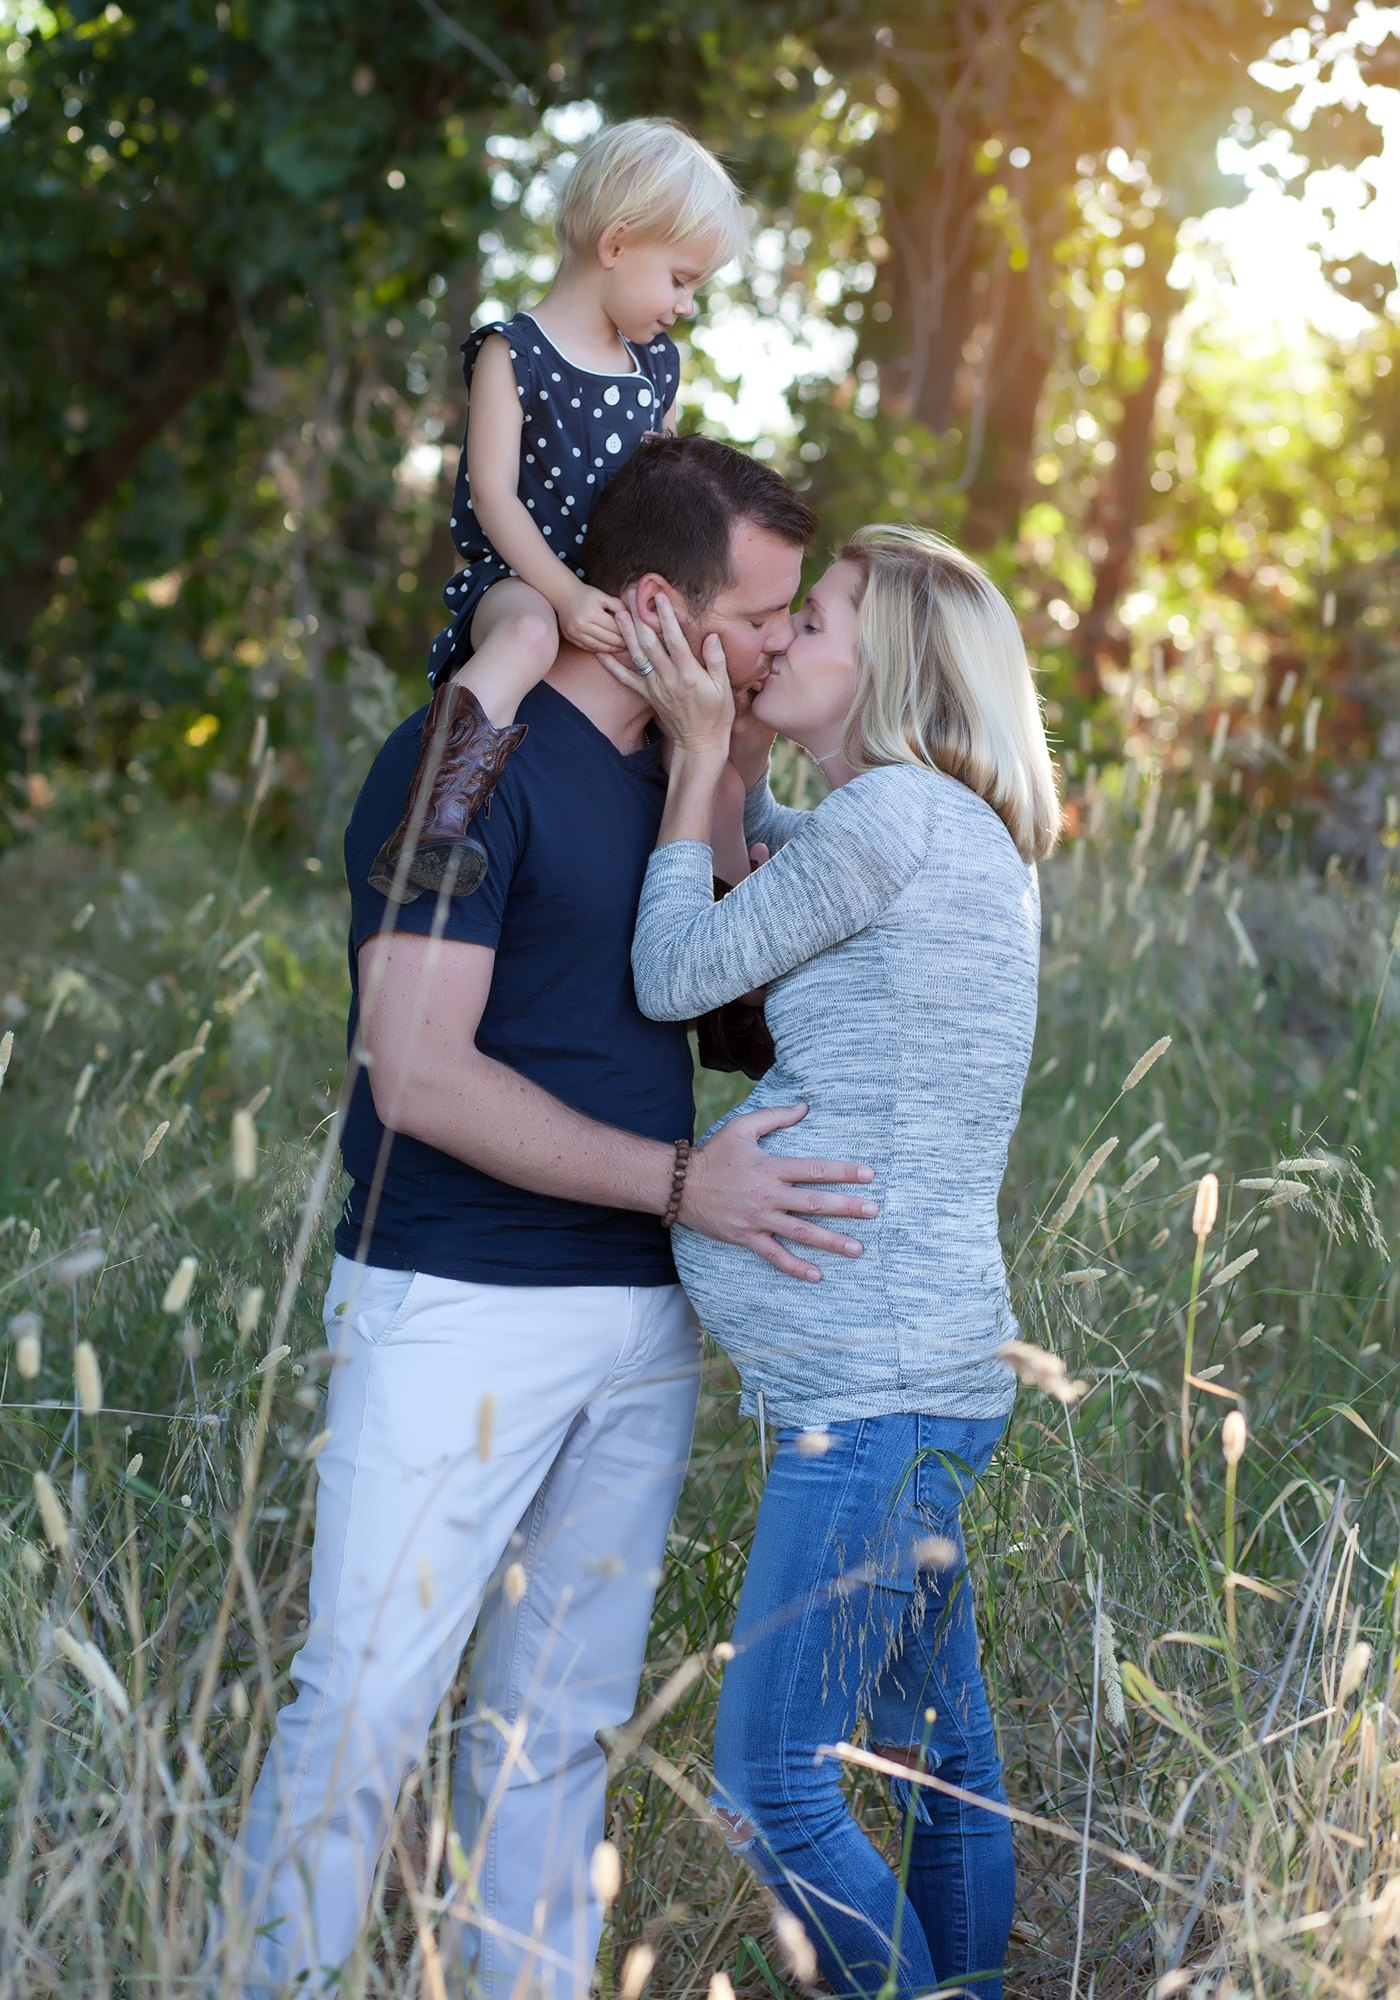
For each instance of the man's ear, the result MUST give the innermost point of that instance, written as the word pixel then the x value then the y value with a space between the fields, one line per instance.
pixel 652 586
pixel 647 588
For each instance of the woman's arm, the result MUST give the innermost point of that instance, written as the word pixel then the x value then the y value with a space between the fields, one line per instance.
pixel 727 843
pixel 495 426
pixel 848 861
pixel 766 821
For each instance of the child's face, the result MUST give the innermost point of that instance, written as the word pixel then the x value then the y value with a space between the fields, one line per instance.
pixel 647 285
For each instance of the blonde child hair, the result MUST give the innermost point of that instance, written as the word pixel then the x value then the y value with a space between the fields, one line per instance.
pixel 944 680
pixel 651 174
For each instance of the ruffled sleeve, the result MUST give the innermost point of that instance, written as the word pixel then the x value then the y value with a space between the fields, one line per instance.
pixel 510 332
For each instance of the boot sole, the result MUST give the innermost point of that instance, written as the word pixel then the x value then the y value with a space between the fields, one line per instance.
pixel 461 865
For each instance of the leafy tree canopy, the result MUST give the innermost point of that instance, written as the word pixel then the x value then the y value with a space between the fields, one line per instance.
pixel 242 243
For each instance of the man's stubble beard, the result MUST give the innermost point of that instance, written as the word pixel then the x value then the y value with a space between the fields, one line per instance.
pixel 696 631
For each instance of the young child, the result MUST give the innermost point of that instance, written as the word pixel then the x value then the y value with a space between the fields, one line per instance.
pixel 560 397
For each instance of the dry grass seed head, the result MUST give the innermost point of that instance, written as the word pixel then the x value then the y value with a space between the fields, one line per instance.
pixel 1087 1174
pixel 243 1146
pixel 26 1333
pixel 1144 1062
pixel 801 1957
pixel 1232 1270
pixel 636 1971
pixel 1045 1371
pixel 87 1379
pixel 1206 1206
pixel 605 1873
pixel 1354 1668
pixel 180 1285
pixel 1112 1678
pixel 51 1513
pixel 936 1552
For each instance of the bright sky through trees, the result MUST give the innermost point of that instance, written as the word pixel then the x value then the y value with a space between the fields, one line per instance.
pixel 1256 266
pixel 1272 275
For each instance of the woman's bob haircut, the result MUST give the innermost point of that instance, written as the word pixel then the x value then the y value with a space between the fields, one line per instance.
pixel 943 680
pixel 652 175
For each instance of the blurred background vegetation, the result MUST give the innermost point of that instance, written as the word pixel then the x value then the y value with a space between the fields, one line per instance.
pixel 242 242
pixel 239 246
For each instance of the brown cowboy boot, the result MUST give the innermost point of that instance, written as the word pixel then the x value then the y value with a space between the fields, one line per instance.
pixel 463 754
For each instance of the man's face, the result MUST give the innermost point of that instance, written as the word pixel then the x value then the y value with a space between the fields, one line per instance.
pixel 751 617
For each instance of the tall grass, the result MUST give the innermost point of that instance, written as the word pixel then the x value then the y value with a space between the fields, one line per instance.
pixel 1200 1749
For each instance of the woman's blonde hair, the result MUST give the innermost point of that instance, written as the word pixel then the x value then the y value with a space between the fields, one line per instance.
pixel 944 680
pixel 651 174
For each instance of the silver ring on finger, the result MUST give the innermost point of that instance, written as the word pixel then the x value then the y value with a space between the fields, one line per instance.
pixel 645 667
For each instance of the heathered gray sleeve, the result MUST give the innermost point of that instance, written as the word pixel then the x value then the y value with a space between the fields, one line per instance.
pixel 765 820
pixel 831 877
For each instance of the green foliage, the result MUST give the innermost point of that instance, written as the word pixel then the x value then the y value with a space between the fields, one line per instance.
pixel 1263 590
pixel 161 169
pixel 228 233
pixel 230 395
pixel 243 247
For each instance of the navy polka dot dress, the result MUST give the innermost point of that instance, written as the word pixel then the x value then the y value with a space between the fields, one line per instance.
pixel 579 428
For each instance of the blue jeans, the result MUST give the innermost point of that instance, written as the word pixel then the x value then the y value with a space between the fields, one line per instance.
pixel 844 1615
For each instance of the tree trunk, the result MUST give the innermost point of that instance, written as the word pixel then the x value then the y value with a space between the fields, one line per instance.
pixel 951 83
pixel 929 288
pixel 1118 508
pixel 189 358
pixel 1005 416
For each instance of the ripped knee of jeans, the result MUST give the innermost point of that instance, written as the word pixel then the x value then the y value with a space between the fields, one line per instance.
pixel 745 1842
pixel 907 1797
pixel 738 1829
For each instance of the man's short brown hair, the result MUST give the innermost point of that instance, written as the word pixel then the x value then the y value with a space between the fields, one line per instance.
pixel 671 511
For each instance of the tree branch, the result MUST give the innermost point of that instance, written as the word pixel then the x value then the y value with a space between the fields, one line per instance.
pixel 189 358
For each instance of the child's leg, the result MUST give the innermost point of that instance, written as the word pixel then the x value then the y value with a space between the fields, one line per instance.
pixel 515 637
pixel 467 737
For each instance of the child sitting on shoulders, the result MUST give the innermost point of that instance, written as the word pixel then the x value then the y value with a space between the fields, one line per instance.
pixel 560 397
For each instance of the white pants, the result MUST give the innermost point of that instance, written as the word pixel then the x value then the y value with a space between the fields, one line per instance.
pixel 594 1392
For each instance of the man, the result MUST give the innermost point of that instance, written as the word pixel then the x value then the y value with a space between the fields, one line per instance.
pixel 518 1368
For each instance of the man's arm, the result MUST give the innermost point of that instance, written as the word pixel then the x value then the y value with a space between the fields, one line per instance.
pixel 421 1004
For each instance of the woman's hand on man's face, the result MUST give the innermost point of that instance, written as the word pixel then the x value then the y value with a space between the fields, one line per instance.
pixel 692 697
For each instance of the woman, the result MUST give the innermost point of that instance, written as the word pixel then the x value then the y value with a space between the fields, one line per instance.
pixel 897 929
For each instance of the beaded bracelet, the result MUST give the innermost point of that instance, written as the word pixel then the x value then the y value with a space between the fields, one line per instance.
pixel 673 1206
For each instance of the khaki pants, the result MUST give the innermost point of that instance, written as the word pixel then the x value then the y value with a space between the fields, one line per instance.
pixel 594 1392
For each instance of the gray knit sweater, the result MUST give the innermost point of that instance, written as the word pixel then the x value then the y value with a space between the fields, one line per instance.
pixel 898 932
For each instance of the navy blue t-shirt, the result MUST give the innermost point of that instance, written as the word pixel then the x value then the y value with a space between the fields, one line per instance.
pixel 570 830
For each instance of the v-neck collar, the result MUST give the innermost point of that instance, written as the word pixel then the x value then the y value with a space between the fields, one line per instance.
pixel 640 759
